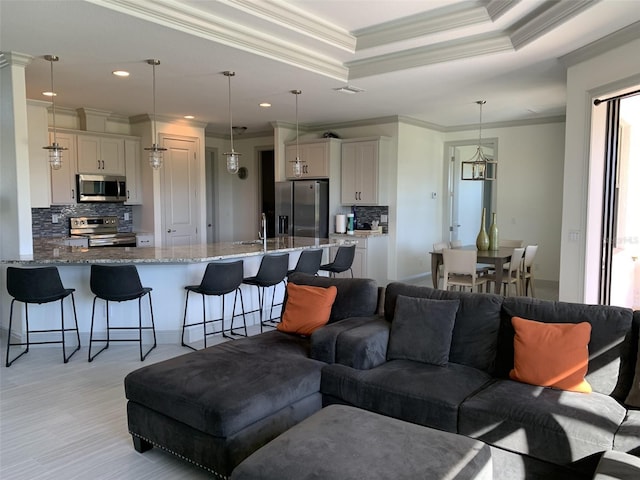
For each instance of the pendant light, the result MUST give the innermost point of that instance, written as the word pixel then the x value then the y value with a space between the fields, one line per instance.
pixel 55 150
pixel 297 164
pixel 479 167
pixel 155 151
pixel 233 157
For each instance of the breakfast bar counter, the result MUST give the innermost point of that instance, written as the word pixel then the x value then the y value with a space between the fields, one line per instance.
pixel 52 252
pixel 167 270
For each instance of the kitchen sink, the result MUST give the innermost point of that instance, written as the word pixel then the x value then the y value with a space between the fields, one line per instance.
pixel 248 242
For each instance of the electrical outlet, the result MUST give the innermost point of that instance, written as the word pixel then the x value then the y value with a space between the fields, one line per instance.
pixel 55 218
pixel 384 218
pixel 126 216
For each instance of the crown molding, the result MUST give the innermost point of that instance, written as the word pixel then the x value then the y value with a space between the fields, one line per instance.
pixel 286 15
pixel 473 46
pixel 365 122
pixel 15 58
pixel 555 14
pixel 441 19
pixel 527 122
pixel 497 8
pixel 420 123
pixel 623 36
pixel 178 16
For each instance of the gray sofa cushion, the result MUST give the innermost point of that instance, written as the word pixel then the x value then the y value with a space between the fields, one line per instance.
pixel 633 397
pixel 324 341
pixel 222 389
pixel 364 346
pixel 422 329
pixel 553 425
pixel 412 391
pixel 357 297
pixel 345 443
pixel 627 437
pixel 617 466
pixel 609 326
pixel 475 333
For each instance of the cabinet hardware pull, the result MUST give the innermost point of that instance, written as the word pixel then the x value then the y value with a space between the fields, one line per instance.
pixel 98 164
pixel 128 196
pixel 73 193
pixel 355 195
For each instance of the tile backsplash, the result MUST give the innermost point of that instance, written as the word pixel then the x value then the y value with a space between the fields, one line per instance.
pixel 42 225
pixel 368 214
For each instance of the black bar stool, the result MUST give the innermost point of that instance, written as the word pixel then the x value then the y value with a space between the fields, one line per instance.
pixel 39 285
pixel 342 262
pixel 308 262
pixel 219 279
pixel 119 284
pixel 273 269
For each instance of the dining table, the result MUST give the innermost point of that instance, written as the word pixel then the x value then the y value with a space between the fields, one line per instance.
pixel 496 258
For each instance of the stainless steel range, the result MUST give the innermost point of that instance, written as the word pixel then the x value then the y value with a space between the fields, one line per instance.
pixel 101 232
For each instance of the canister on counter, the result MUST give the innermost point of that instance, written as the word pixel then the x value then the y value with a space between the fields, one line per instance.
pixel 350 225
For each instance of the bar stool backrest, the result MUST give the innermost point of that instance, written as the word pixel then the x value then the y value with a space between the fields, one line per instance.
pixel 221 278
pixel 309 262
pixel 35 285
pixel 344 258
pixel 273 269
pixel 116 283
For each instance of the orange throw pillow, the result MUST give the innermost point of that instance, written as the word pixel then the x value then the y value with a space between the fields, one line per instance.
pixel 551 354
pixel 307 308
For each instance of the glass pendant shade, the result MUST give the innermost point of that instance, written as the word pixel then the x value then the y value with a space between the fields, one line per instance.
pixel 479 167
pixel 297 164
pixel 156 152
pixel 55 150
pixel 233 157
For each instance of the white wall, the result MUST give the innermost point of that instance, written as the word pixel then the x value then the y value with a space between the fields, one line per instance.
pixel 39 169
pixel 239 201
pixel 609 72
pixel 529 188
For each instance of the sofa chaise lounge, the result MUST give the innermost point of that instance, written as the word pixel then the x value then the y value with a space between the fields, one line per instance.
pixel 216 406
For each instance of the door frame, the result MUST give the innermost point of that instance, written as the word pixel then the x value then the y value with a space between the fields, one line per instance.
pixel 490 200
pixel 197 174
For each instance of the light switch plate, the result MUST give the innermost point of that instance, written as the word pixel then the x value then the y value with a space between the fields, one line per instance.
pixel 55 218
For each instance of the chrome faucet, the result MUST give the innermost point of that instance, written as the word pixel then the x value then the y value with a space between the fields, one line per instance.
pixel 262 234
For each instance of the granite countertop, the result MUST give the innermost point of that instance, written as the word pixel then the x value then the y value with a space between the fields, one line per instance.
pixel 47 252
pixel 358 233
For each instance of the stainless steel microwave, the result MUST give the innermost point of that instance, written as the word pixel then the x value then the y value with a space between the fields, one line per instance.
pixel 101 188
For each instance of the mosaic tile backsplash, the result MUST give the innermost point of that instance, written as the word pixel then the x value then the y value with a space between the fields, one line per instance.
pixel 42 225
pixel 368 214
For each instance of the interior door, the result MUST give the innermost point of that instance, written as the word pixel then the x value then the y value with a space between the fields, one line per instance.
pixel 180 192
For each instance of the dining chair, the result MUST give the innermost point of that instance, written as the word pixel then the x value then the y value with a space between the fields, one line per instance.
pixel 510 275
pixel 481 268
pixel 526 273
pixel 460 269
pixel 439 247
pixel 511 243
pixel 455 243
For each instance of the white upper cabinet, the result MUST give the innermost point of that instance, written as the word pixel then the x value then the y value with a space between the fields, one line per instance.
pixel 316 157
pixel 100 155
pixel 63 181
pixel 362 182
pixel 132 155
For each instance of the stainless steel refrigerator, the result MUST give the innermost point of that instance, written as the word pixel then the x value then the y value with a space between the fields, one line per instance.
pixel 302 208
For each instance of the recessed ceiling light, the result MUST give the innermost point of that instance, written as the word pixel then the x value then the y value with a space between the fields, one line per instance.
pixel 349 89
pixel 49 94
pixel 265 105
pixel 120 73
pixel 189 117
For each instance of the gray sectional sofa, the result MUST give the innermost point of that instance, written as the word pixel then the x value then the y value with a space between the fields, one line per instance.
pixel 216 406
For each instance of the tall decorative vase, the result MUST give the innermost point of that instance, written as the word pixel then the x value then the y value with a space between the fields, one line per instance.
pixel 482 240
pixel 494 244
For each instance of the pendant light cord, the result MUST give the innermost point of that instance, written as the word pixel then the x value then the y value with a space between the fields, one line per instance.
pixel 229 75
pixel 53 101
pixel 155 139
pixel 297 134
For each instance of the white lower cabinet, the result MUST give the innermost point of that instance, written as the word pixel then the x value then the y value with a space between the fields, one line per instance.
pixel 370 260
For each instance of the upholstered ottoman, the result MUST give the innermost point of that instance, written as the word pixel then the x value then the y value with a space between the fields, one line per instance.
pixel 617 466
pixel 341 442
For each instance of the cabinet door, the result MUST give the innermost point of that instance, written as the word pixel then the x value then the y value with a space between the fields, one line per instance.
pixel 100 155
pixel 314 158
pixel 112 156
pixel 132 171
pixel 360 173
pixel 63 181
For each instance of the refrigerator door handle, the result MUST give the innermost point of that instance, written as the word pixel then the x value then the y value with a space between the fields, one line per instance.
pixel 283 225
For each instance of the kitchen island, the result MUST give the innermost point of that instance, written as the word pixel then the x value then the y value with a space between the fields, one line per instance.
pixel 167 270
